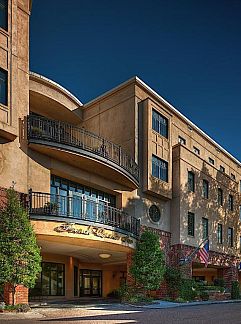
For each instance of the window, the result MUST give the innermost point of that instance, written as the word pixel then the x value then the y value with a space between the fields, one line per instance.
pixel 181 140
pixel 159 168
pixel 240 244
pixel 205 227
pixel 4 14
pixel 220 233
pixel 230 236
pixel 51 280
pixel 240 186
pixel 159 123
pixel 220 197
pixel 240 213
pixel 196 150
pixel 211 161
pixel 65 187
pixel 205 189
pixel 154 213
pixel 190 224
pixel 3 87
pixel 230 202
pixel 222 169
pixel 232 176
pixel 191 181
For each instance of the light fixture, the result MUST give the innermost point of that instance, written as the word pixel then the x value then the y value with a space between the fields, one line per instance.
pixel 104 255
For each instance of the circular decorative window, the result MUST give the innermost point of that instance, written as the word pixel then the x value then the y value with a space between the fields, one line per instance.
pixel 154 213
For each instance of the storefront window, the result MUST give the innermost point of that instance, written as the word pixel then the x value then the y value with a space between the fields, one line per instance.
pixel 51 280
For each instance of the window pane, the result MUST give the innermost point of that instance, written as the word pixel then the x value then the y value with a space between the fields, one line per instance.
pixel 3 87
pixel 159 168
pixel 205 227
pixel 159 123
pixel 191 224
pixel 191 181
pixel 4 14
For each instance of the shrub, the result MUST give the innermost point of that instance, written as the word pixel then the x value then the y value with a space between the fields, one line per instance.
pixel 219 282
pixel 148 265
pixel 204 295
pixel 20 308
pixel 188 290
pixel 235 294
pixel 173 278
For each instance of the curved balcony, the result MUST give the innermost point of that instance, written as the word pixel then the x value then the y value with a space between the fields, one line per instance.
pixel 95 153
pixel 81 209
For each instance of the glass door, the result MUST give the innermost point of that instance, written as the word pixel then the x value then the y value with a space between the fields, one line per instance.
pixel 90 283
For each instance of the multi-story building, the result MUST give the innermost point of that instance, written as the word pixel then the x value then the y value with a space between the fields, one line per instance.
pixel 98 173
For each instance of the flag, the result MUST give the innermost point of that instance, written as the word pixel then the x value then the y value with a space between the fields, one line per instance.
pixel 203 253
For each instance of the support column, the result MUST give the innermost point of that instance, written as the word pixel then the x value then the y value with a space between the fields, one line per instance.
pixel 21 294
pixel 230 274
pixel 69 278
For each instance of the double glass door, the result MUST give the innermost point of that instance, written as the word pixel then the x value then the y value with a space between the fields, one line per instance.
pixel 90 283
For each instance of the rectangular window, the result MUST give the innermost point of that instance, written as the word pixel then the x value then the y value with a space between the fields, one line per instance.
pixel 205 227
pixel 230 236
pixel 4 14
pixel 230 202
pixel 3 87
pixel 51 280
pixel 220 197
pixel 191 181
pixel 240 186
pixel 159 123
pixel 211 161
pixel 240 213
pixel 220 233
pixel 232 176
pixel 196 150
pixel 159 168
pixel 222 169
pixel 240 244
pixel 205 189
pixel 181 140
pixel 190 225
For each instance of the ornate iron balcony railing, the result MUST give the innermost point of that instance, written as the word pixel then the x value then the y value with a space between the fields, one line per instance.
pixel 48 130
pixel 82 208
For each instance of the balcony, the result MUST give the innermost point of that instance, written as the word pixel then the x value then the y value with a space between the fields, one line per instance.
pixel 81 209
pixel 81 147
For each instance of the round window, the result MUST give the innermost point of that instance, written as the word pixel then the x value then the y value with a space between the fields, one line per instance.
pixel 154 213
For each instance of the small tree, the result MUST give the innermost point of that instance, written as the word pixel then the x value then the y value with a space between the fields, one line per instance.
pixel 19 253
pixel 148 264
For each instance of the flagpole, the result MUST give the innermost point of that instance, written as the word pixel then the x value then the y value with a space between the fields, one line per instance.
pixel 190 257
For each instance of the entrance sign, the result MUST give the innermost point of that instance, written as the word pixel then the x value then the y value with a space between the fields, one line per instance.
pixel 94 230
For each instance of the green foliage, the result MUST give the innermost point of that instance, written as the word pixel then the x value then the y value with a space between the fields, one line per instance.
pixel 219 282
pixel 173 278
pixel 188 290
pixel 148 265
pixel 20 308
pixel 132 295
pixel 204 295
pixel 235 294
pixel 19 253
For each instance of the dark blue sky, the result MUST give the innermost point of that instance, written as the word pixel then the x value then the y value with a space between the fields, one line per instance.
pixel 189 51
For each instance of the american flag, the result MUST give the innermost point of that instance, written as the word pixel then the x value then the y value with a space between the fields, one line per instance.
pixel 203 253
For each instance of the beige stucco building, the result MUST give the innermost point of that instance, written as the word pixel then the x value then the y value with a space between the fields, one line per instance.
pixel 98 173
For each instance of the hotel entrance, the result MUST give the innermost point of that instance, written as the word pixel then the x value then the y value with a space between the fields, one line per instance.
pixel 90 283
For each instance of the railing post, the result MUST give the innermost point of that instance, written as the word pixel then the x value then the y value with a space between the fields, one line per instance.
pixel 30 199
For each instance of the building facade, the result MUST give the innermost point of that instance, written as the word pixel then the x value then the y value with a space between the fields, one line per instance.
pixel 97 174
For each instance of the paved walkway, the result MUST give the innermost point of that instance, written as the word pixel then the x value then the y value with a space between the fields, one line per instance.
pixel 221 313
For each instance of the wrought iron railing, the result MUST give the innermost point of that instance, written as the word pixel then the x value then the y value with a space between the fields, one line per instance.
pixel 82 207
pixel 45 129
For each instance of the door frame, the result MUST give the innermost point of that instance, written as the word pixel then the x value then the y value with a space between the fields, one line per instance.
pixel 81 277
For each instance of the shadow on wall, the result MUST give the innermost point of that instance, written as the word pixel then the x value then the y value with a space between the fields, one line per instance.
pixel 209 208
